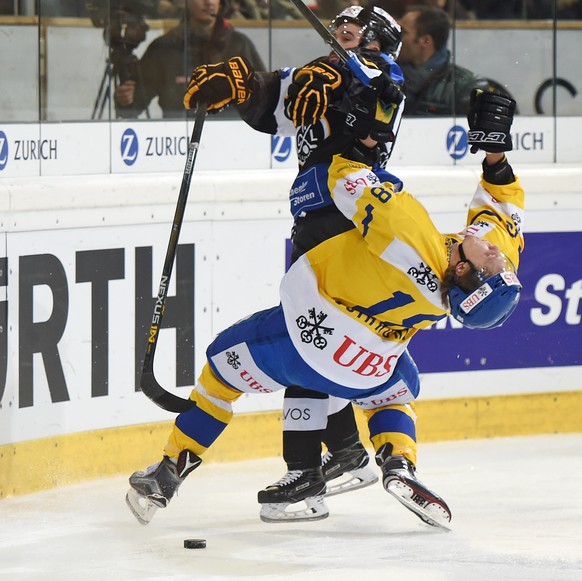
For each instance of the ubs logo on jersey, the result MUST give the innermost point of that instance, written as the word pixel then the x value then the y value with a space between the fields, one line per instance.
pixel 281 148
pixel 457 142
pixel 129 147
pixel 3 150
pixel 382 401
pixel 312 328
pixel 362 361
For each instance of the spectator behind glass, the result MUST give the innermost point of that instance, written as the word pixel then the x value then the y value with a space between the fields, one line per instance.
pixel 433 85
pixel 165 68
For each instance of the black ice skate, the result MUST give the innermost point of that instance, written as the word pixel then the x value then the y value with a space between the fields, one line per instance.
pixel 400 481
pixel 296 486
pixel 352 464
pixel 155 486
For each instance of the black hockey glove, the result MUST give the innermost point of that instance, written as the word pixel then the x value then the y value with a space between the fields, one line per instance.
pixel 373 109
pixel 490 117
pixel 309 94
pixel 220 85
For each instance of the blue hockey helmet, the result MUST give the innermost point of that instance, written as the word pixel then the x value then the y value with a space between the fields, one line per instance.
pixel 376 24
pixel 490 304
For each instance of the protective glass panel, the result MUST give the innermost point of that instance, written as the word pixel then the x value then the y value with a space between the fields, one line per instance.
pixel 127 62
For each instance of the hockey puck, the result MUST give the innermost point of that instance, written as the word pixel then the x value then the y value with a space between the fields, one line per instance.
pixel 194 543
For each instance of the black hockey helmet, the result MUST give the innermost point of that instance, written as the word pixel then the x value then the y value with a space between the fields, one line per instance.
pixel 376 24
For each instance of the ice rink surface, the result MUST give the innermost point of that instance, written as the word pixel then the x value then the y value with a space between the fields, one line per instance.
pixel 516 503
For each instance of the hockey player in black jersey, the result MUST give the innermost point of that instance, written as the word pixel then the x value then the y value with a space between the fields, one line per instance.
pixel 313 103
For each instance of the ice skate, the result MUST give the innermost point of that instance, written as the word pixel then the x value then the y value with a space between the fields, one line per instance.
pixel 155 486
pixel 307 486
pixel 347 469
pixel 400 481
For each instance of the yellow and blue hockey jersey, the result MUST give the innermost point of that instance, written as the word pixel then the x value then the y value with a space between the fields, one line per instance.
pixel 353 302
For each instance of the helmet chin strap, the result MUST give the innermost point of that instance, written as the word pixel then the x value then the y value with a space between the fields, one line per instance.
pixel 464 258
pixel 462 253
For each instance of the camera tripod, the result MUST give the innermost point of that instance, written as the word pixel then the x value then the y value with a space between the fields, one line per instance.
pixel 118 68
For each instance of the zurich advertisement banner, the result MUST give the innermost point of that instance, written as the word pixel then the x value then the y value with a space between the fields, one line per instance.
pixel 544 331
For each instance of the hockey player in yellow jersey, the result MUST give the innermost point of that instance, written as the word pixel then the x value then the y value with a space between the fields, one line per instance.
pixel 350 306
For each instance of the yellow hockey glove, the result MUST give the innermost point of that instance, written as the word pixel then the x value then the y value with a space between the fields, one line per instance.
pixel 309 94
pixel 220 85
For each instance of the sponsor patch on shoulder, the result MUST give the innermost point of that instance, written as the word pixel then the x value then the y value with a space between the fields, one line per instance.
pixel 476 297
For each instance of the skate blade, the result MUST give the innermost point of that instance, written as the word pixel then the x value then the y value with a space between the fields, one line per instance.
pixel 316 509
pixel 141 507
pixel 359 478
pixel 433 514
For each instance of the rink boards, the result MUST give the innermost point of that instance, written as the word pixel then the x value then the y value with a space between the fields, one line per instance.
pixel 80 263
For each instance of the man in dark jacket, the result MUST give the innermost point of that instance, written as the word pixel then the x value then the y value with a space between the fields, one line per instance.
pixel 164 69
pixel 434 85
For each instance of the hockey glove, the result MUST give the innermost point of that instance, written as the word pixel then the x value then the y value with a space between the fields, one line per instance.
pixel 490 117
pixel 309 94
pixel 374 110
pixel 220 85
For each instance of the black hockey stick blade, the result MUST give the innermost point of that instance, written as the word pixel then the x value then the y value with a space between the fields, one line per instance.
pixel 148 383
pixel 362 73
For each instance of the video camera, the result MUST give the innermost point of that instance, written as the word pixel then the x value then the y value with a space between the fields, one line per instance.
pixel 124 28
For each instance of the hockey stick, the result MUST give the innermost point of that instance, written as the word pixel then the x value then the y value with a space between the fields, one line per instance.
pixel 149 385
pixel 362 73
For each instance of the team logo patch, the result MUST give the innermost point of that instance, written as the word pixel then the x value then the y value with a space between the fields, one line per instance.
pixel 233 359
pixel 312 329
pixel 424 276
pixel 308 138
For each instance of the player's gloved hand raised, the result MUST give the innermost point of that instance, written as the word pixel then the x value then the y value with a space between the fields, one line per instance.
pixel 490 117
pixel 309 95
pixel 220 85
pixel 374 108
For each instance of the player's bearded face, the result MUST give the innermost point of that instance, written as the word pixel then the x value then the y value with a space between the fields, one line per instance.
pixel 484 256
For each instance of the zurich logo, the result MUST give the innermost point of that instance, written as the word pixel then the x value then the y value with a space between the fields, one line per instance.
pixel 281 147
pixel 457 143
pixel 129 147
pixel 3 150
